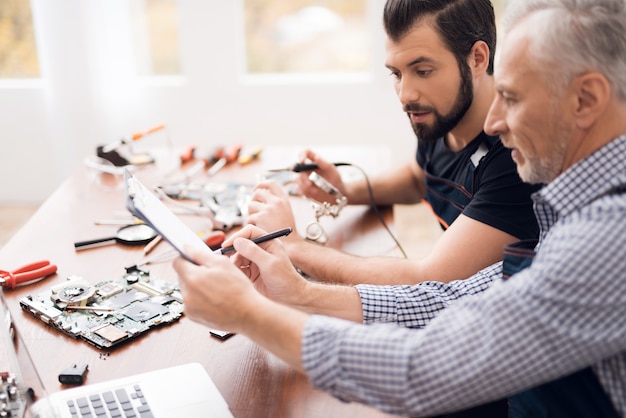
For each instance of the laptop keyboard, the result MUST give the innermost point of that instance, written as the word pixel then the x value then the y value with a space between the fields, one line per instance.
pixel 127 402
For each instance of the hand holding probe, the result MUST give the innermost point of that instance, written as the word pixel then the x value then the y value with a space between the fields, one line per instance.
pixel 276 234
pixel 302 167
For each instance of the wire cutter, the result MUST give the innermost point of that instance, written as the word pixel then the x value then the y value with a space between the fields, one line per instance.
pixel 28 273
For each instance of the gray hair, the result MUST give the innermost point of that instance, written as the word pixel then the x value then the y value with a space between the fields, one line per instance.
pixel 573 37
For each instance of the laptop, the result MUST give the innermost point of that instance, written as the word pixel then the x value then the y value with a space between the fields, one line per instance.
pixel 180 391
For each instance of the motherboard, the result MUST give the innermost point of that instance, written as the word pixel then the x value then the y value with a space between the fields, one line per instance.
pixel 110 312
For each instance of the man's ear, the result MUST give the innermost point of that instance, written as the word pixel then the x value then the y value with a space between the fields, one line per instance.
pixel 593 93
pixel 478 59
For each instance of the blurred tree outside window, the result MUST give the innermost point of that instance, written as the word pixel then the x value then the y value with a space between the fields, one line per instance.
pixel 306 36
pixel 156 34
pixel 18 51
pixel 282 36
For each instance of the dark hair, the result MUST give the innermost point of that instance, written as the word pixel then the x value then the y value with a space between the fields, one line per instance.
pixel 460 23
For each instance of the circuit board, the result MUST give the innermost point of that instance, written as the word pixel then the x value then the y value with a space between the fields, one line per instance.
pixel 110 312
pixel 12 400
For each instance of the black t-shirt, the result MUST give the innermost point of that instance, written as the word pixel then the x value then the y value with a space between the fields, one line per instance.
pixel 479 181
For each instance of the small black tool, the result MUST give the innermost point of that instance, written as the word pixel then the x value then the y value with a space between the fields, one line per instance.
pixel 74 375
pixel 302 167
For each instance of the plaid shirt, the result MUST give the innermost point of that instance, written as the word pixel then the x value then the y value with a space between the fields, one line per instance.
pixel 471 341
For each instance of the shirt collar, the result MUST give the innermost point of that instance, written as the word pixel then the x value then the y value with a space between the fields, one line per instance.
pixel 593 176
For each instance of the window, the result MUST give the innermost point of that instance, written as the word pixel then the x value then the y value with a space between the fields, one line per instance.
pixel 18 52
pixel 156 37
pixel 306 36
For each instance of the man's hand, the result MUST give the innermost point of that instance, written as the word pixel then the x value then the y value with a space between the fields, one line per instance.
pixel 269 209
pixel 216 292
pixel 220 292
pixel 267 265
pixel 326 170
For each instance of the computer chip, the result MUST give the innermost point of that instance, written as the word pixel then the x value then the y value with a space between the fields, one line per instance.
pixel 111 333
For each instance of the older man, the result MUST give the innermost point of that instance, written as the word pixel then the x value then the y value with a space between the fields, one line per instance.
pixel 547 326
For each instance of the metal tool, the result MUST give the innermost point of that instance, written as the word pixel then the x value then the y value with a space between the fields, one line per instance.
pixel 213 157
pixel 188 155
pixel 134 137
pixel 229 156
pixel 248 157
pixel 28 273
pixel 161 258
pixel 303 167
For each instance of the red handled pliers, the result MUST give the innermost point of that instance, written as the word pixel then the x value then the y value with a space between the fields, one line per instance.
pixel 27 273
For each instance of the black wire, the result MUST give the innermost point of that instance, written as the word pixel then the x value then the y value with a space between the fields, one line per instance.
pixel 375 206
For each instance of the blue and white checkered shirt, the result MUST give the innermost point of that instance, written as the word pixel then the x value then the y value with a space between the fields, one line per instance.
pixel 472 341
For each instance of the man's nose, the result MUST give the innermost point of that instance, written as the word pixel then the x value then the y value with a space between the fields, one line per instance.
pixel 407 91
pixel 494 123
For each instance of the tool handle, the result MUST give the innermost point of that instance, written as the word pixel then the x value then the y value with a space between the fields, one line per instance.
pixel 93 241
pixel 139 135
pixel 300 167
pixel 39 273
pixel 32 266
pixel 27 273
pixel 233 153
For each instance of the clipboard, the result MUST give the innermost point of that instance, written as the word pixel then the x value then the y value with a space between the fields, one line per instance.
pixel 146 206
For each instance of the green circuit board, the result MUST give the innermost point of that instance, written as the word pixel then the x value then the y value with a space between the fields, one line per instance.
pixel 110 312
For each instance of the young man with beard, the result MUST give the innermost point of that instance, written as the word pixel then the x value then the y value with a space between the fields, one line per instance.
pixel 546 327
pixel 440 55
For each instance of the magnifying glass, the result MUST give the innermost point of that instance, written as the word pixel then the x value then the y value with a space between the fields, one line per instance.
pixel 138 234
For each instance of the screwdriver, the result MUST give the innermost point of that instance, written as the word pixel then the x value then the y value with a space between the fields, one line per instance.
pixel 188 155
pixel 203 163
pixel 302 167
pixel 249 157
pixel 213 157
pixel 133 137
pixel 228 157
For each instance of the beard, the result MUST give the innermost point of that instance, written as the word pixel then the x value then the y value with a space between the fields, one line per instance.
pixel 543 169
pixel 445 123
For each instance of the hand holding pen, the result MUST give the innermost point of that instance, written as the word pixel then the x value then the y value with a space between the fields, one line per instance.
pixel 258 240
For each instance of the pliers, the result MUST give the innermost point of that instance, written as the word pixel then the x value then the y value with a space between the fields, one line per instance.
pixel 27 273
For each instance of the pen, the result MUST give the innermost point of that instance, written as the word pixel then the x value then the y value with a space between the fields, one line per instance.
pixel 276 234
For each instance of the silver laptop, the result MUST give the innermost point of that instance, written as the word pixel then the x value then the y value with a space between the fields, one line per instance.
pixel 180 391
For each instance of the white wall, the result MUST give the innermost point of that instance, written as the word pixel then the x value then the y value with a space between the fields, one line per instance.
pixel 89 95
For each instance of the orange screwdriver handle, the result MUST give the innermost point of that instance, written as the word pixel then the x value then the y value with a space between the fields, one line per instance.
pixel 139 135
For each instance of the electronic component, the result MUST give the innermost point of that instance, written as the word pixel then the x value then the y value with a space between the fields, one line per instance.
pixel 74 375
pixel 110 312
pixel 12 401
pixel 222 335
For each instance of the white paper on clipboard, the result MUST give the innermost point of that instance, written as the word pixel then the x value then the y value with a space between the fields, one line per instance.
pixel 143 204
